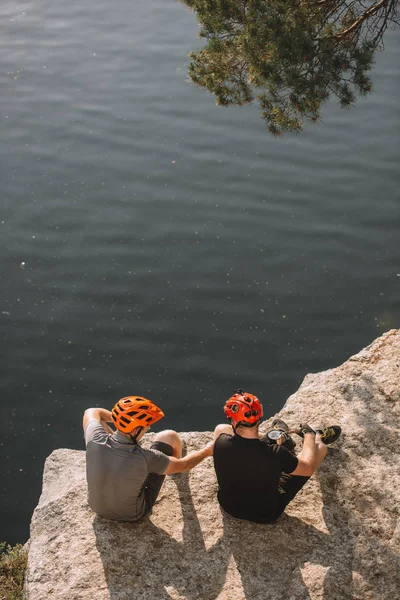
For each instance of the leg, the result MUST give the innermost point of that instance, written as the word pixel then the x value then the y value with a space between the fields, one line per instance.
pixel 290 485
pixel 321 451
pixel 168 442
pixel 169 436
pixel 223 428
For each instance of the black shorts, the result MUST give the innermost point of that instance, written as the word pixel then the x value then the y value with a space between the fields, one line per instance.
pixel 153 483
pixel 289 486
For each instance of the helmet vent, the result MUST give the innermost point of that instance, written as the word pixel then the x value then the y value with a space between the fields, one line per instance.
pixel 135 411
pixel 243 407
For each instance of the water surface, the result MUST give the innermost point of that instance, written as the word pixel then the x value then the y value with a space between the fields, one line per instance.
pixel 154 243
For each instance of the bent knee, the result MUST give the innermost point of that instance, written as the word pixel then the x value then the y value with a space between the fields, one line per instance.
pixel 166 435
pixel 222 428
pixel 169 436
pixel 167 432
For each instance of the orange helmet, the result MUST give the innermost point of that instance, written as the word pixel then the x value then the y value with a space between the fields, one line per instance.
pixel 244 408
pixel 135 411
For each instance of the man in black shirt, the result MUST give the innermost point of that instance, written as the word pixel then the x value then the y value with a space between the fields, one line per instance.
pixel 258 477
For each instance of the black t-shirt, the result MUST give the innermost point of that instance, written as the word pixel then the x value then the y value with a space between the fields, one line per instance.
pixel 248 472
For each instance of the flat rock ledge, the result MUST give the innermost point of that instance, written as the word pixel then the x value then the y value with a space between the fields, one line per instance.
pixel 339 539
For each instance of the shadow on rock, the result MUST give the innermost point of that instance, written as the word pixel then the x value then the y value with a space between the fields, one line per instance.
pixel 142 561
pixel 376 417
pixel 271 558
pixel 361 565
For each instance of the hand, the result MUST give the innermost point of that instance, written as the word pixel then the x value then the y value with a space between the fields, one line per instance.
pixel 303 429
pixel 208 449
pixel 107 427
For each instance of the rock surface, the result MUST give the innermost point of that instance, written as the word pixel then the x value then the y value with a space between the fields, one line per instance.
pixel 339 538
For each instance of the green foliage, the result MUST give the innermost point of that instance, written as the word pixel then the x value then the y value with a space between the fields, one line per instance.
pixel 289 55
pixel 12 571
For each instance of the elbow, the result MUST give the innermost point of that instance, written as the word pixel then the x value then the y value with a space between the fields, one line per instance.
pixel 183 467
pixel 89 412
pixel 86 417
pixel 176 467
pixel 305 469
pixel 310 468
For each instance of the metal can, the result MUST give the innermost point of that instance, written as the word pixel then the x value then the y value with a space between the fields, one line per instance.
pixel 277 436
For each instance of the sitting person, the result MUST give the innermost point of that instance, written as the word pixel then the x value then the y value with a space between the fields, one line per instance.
pixel 123 478
pixel 258 476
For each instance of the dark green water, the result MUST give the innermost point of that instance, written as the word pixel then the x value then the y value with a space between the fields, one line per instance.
pixel 153 243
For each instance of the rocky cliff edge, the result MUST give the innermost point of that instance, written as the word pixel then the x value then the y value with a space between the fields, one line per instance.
pixel 339 539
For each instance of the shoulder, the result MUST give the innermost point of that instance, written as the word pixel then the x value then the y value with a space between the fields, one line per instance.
pixel 223 438
pixel 155 459
pixel 95 432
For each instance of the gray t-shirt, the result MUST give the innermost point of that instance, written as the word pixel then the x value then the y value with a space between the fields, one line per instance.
pixel 116 471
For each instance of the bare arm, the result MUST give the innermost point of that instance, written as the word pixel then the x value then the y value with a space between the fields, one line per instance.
pixel 180 465
pixel 102 415
pixel 307 457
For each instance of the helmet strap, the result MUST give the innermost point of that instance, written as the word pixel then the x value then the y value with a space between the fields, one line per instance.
pixel 136 435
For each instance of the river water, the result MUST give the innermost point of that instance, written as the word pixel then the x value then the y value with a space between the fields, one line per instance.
pixel 153 243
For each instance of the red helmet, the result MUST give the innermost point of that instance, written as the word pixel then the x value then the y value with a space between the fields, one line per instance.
pixel 245 409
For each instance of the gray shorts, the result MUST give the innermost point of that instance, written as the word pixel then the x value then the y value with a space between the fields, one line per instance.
pixel 153 483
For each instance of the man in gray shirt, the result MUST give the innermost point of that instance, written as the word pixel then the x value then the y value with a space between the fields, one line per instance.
pixel 123 478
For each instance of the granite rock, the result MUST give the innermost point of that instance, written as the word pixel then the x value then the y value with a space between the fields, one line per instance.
pixel 338 540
